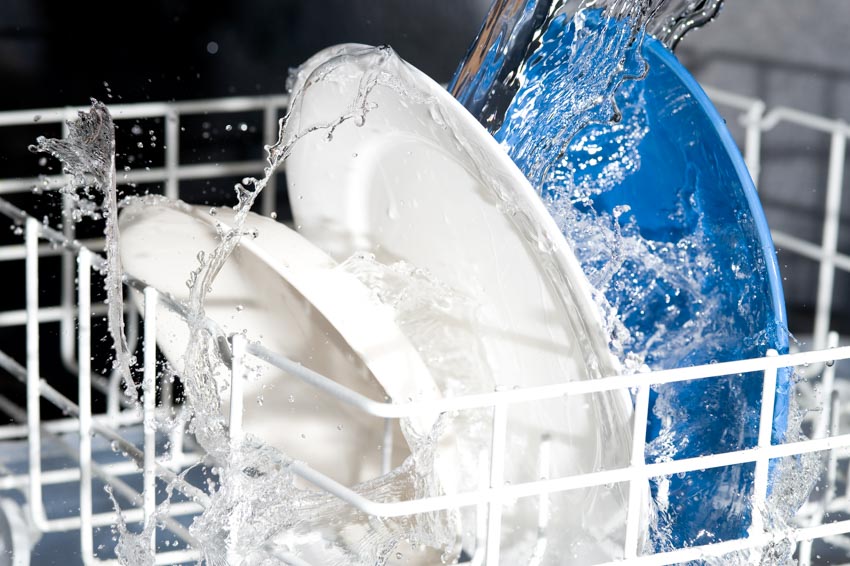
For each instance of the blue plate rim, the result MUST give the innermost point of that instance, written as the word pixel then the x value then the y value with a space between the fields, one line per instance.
pixel 765 239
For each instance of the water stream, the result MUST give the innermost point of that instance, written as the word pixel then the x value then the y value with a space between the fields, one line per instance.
pixel 88 156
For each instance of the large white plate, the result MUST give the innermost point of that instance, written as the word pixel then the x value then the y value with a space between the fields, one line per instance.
pixel 416 178
pixel 288 294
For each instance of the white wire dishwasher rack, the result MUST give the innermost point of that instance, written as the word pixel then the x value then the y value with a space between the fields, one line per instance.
pixel 66 459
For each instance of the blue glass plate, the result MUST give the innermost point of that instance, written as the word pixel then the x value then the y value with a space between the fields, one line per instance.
pixel 686 192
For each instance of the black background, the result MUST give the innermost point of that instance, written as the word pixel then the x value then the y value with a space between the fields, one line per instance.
pixel 55 53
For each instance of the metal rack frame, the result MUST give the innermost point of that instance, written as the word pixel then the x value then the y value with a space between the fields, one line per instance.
pixel 76 305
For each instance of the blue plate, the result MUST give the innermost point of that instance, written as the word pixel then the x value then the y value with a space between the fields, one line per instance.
pixel 683 192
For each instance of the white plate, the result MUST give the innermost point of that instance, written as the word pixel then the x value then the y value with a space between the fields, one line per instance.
pixel 420 180
pixel 288 294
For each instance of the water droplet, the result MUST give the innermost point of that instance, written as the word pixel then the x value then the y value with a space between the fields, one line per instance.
pixel 292 398
pixel 339 427
pixel 830 363
pixel 239 308
pixel 273 215
pixel 213 211
pixel 212 47
pixel 36 118
pixel 228 128
pixel 243 127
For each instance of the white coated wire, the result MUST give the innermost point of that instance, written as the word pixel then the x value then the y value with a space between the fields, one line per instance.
pixel 41 241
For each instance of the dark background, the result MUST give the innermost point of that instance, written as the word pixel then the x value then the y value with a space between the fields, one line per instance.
pixel 55 53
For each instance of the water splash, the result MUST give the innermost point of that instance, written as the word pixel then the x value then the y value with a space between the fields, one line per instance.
pixel 678 17
pixel 495 68
pixel 133 548
pixel 251 501
pixel 435 319
pixel 88 156
pixel 584 73
pixel 512 32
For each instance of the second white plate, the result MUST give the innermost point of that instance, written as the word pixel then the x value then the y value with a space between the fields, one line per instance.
pixel 289 295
